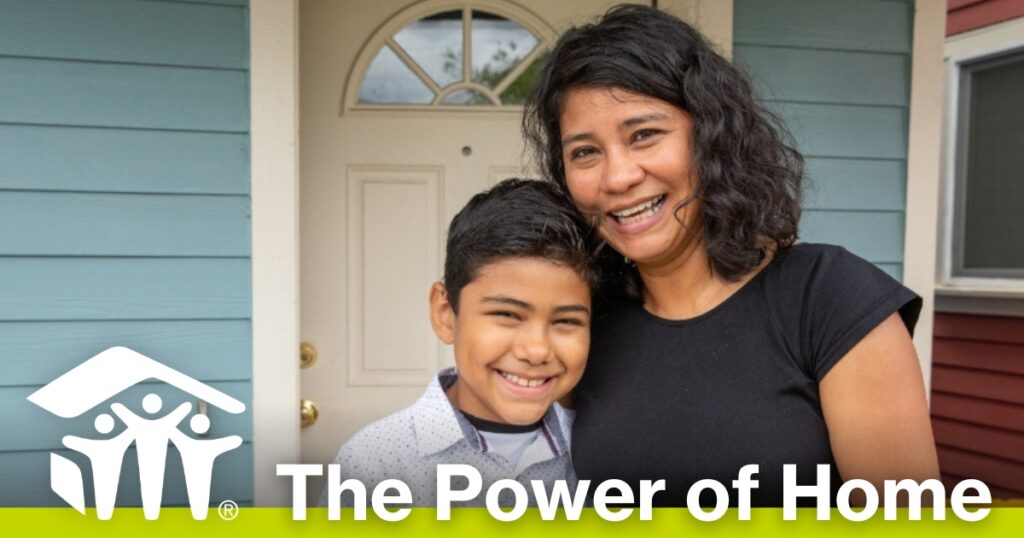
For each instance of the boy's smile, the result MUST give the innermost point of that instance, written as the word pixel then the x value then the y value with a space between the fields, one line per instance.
pixel 521 338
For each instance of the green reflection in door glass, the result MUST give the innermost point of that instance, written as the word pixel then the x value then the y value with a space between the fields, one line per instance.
pixel 499 44
pixel 516 93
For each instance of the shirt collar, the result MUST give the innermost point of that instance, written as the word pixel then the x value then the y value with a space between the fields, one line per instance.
pixel 439 425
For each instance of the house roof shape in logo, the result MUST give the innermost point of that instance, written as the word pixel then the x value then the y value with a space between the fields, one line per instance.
pixel 112 371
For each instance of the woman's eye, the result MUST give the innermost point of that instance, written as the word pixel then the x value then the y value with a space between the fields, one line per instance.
pixel 570 321
pixel 644 134
pixel 581 153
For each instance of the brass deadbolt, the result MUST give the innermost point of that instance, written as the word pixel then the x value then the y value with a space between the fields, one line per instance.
pixel 308 413
pixel 307 355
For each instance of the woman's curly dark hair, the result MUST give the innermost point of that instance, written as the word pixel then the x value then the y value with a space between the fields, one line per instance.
pixel 749 185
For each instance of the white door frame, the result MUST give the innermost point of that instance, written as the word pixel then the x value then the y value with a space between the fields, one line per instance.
pixel 274 135
pixel 274 128
pixel 924 156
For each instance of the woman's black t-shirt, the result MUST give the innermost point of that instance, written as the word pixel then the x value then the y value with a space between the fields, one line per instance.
pixel 700 398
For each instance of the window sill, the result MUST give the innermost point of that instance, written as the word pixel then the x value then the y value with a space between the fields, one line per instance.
pixel 1001 298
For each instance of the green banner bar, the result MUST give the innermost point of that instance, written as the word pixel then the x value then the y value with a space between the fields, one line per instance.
pixel 474 523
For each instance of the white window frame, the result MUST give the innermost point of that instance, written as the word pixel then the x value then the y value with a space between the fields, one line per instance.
pixel 958 293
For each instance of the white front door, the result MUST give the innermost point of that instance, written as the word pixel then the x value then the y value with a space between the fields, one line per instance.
pixel 386 160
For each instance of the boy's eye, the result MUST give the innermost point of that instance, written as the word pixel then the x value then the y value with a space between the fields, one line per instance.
pixel 507 314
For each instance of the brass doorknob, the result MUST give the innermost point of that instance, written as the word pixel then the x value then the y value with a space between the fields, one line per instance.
pixel 307 355
pixel 308 413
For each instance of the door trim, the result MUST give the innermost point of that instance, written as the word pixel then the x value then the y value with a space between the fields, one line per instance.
pixel 274 136
pixel 924 156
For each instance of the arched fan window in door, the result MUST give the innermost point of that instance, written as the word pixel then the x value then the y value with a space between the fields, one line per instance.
pixel 466 56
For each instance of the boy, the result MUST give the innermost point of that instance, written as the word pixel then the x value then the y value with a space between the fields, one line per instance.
pixel 515 305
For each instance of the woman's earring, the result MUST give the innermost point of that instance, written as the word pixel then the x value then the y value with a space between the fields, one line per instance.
pixel 629 262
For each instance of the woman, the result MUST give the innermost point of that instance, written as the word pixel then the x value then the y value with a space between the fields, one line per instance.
pixel 727 343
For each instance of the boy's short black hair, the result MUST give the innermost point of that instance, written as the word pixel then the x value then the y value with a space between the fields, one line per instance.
pixel 517 218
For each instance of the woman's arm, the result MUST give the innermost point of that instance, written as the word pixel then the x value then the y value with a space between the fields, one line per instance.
pixel 874 404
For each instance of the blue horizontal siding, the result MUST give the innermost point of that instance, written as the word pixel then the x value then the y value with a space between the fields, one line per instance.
pixel 42 289
pixel 838 73
pixel 847 131
pixel 55 92
pixel 90 224
pixel 37 352
pixel 894 270
pixel 39 430
pixel 123 160
pixel 855 184
pixel 124 198
pixel 875 236
pixel 125 31
pixel 827 76
pixel 212 2
pixel 232 479
pixel 864 25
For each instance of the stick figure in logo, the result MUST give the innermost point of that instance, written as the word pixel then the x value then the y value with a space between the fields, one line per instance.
pixel 151 437
pixel 105 455
pixel 197 457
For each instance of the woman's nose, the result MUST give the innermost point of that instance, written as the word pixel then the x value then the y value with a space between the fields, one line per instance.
pixel 622 172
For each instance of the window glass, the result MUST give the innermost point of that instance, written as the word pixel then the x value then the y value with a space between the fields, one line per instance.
pixel 498 46
pixel 467 97
pixel 390 81
pixel 993 208
pixel 516 92
pixel 430 56
pixel 435 43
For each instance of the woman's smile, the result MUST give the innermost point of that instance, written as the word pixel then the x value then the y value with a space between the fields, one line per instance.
pixel 638 217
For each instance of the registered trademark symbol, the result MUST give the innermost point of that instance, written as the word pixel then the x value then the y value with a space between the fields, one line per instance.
pixel 228 510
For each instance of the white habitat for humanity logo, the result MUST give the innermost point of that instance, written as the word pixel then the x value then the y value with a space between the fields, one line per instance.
pixel 105 375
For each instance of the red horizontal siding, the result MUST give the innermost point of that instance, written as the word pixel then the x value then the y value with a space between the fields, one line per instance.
pixel 950 481
pixel 983 412
pixel 978 400
pixel 1005 444
pixel 966 15
pixel 980 328
pixel 960 4
pixel 978 383
pixel 1006 475
pixel 994 357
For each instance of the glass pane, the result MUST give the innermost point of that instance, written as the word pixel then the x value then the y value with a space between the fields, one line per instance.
pixel 467 97
pixel 498 45
pixel 435 42
pixel 994 220
pixel 390 81
pixel 516 93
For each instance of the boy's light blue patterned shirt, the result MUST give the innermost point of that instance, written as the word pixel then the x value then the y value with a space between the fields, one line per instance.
pixel 410 444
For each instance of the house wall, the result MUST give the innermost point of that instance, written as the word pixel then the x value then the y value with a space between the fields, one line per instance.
pixel 838 73
pixel 978 401
pixel 978 376
pixel 124 206
pixel 966 15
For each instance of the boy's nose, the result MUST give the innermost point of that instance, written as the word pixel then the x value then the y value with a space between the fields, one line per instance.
pixel 533 346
